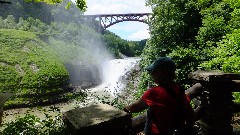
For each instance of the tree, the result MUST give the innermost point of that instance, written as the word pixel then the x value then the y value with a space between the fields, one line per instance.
pixel 9 22
pixel 225 55
pixel 173 26
pixel 81 4
pixel 196 34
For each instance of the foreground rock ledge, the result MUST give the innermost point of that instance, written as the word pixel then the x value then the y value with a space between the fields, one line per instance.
pixel 101 119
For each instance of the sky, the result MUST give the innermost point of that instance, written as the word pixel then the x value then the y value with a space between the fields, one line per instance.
pixel 129 30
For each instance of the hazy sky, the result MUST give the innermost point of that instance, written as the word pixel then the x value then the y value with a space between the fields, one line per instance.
pixel 130 30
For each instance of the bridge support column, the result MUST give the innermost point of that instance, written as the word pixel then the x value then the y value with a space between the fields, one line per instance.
pixel 217 99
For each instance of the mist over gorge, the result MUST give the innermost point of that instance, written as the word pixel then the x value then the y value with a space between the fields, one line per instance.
pixel 48 50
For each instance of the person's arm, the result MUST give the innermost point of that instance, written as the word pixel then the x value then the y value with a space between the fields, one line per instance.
pixel 137 106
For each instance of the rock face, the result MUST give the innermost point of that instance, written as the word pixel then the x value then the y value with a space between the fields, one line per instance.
pixel 83 75
pixel 101 119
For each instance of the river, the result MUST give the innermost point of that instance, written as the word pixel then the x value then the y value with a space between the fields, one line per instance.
pixel 114 81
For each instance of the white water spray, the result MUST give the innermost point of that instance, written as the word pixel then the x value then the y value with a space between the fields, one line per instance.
pixel 114 77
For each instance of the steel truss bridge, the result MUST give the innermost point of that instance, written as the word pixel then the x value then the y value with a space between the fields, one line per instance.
pixel 107 20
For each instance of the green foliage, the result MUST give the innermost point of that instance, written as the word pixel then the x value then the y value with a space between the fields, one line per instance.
pixel 22 125
pixel 166 23
pixel 150 53
pixel 70 52
pixel 236 96
pixel 9 22
pixel 211 43
pixel 187 60
pixel 28 67
pixel 233 3
pixel 47 13
pixel 173 28
pixel 138 46
pixel 118 46
pixel 33 125
pixel 235 19
pixel 81 4
pixel 226 56
pixel 22 56
pixel 214 21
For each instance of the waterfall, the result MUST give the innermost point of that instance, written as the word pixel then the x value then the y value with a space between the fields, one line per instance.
pixel 114 77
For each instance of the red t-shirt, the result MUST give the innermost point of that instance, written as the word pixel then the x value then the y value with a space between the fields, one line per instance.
pixel 163 107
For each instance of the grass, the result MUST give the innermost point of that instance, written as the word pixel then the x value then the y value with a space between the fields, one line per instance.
pixel 29 66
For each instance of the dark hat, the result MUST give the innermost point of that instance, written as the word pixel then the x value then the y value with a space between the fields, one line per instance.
pixel 162 62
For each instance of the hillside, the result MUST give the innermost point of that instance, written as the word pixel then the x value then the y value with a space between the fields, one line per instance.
pixel 28 66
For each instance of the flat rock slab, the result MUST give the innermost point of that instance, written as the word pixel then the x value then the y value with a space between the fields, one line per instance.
pixel 96 119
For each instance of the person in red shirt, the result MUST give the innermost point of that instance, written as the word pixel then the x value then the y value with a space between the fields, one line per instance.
pixel 168 107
